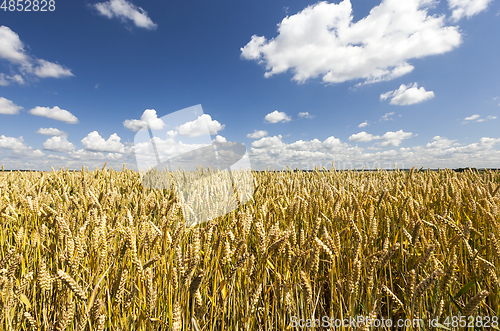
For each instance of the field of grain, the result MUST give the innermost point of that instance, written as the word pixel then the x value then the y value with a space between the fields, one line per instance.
pixel 98 251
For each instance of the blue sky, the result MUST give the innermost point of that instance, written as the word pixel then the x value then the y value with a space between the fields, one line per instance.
pixel 300 83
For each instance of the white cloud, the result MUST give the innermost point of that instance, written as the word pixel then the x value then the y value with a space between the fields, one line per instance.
pixel 48 69
pixel 17 79
pixel 362 125
pixel 19 148
pixel 8 107
pixel 301 145
pixel 20 156
pixel 257 134
pixel 12 50
pixel 3 80
pixel 268 142
pixel 11 46
pixel 388 139
pixel 83 155
pixel 125 10
pixel 467 8
pixel 439 152
pixel 201 126
pixel 97 159
pixel 322 40
pixel 6 80
pixel 439 142
pixel 305 115
pixel 171 134
pixel 472 118
pixel 149 117
pixel 276 144
pixel 362 137
pixel 277 116
pixel 387 116
pixel 332 143
pixel 51 132
pixel 394 138
pixel 94 142
pixel 55 113
pixel 407 95
pixel 486 141
pixel 477 118
pixel 167 149
pixel 274 153
pixel 12 143
pixel 58 144
pixel 220 139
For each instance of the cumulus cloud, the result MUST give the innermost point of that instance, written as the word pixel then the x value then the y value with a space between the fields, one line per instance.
pixel 388 139
pixel 268 142
pixel 362 125
pixel 467 8
pixel 201 126
pixel 277 116
pixel 332 143
pixel 478 118
pixel 275 143
pixel 19 148
pixel 439 142
pixel 272 152
pixel 7 107
pixel 486 141
pixel 126 11
pixel 305 115
pixel 394 138
pixel 12 143
pixel 472 118
pixel 362 137
pixel 387 116
pixel 220 139
pixel 257 134
pixel 171 134
pixel 83 155
pixel 148 152
pixel 55 113
pixel 439 152
pixel 18 155
pixel 322 40
pixel 149 117
pixel 94 142
pixel 58 144
pixel 407 95
pixel 302 145
pixel 6 80
pixel 12 49
pixel 51 132
pixel 17 79
pixel 11 46
pixel 48 69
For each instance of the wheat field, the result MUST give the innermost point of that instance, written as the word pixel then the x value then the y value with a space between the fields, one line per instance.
pixel 95 250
